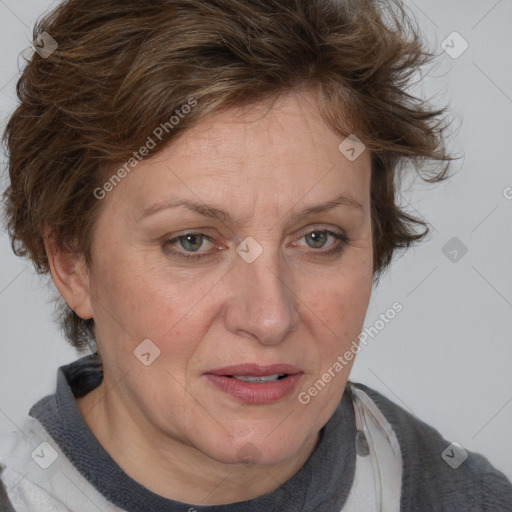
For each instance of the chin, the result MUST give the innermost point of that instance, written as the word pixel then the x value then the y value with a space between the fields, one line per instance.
pixel 256 450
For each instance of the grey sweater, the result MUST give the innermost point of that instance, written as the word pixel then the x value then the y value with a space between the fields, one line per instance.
pixel 322 484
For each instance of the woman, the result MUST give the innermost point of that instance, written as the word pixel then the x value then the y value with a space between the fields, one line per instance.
pixel 211 187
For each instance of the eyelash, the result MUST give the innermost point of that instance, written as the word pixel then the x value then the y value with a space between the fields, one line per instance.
pixel 338 248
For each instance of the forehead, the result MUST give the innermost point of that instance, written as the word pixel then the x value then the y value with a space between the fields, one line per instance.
pixel 278 151
pixel 289 126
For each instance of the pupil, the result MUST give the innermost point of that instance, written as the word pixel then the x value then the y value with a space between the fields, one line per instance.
pixel 318 239
pixel 195 241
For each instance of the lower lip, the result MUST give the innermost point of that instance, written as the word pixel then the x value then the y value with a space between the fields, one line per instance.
pixel 256 393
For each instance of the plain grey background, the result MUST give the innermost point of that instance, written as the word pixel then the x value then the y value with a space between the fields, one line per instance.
pixel 447 355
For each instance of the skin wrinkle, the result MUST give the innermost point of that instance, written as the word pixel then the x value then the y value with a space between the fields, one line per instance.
pixel 165 425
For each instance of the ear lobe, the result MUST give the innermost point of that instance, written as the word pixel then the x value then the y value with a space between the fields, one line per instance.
pixel 70 276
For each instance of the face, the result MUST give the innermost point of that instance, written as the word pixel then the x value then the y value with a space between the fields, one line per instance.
pixel 252 269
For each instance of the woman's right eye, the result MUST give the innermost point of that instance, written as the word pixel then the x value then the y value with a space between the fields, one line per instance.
pixel 190 243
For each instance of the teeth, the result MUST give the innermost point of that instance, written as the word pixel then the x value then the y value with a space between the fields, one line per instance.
pixel 265 378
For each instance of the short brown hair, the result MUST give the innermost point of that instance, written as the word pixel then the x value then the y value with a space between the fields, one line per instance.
pixel 122 67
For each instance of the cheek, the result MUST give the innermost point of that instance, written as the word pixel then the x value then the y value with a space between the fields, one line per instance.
pixel 343 299
pixel 337 313
pixel 136 301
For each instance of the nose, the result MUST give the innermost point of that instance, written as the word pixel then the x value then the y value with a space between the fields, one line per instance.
pixel 263 305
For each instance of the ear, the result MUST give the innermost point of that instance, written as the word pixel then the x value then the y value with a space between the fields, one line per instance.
pixel 71 277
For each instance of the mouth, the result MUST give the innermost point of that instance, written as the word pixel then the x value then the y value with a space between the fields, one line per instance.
pixel 264 378
pixel 250 372
pixel 252 383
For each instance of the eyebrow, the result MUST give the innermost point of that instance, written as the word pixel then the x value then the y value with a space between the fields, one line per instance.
pixel 217 213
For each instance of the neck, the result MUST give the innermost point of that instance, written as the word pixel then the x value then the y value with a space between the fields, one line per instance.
pixel 170 467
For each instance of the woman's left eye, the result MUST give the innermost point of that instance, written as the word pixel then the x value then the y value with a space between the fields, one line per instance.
pixel 317 240
pixel 191 243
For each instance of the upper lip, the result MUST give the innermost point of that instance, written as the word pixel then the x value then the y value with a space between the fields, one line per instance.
pixel 249 369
